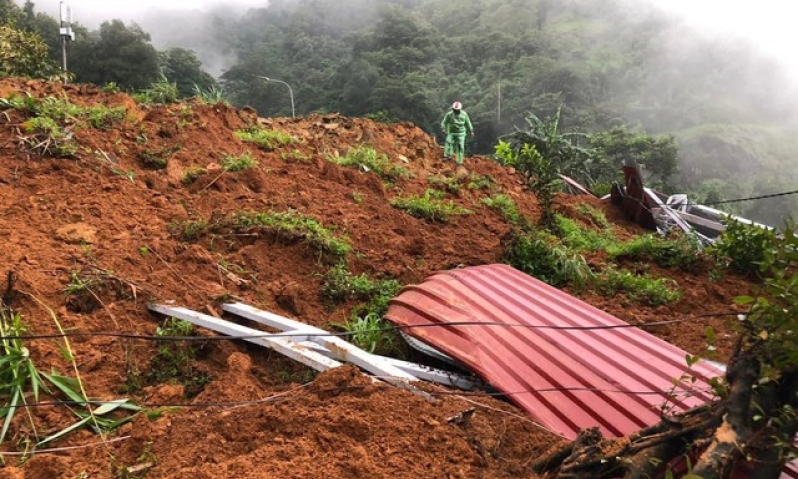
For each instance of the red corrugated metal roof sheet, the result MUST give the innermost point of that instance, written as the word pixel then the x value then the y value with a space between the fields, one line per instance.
pixel 567 379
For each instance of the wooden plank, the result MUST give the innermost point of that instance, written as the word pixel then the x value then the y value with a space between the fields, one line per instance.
pixel 343 350
pixel 284 346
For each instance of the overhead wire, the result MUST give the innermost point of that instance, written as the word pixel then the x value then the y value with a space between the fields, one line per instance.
pixel 343 334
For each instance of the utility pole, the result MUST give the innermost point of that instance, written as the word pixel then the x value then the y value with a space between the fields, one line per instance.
pixel 66 35
pixel 500 102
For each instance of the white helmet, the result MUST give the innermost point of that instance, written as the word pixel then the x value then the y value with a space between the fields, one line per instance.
pixel 457 106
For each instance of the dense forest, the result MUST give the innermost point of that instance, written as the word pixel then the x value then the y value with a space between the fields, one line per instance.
pixel 619 72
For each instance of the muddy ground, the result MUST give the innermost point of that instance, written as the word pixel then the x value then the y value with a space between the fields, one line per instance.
pixel 110 218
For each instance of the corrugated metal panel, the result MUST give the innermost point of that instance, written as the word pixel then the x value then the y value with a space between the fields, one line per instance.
pixel 567 379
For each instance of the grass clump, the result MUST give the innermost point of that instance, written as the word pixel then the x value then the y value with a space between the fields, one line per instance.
pixel 581 239
pixel 368 159
pixel 642 288
pixel 681 252
pixel 597 216
pixel 233 163
pixel 48 138
pixel 192 174
pixel 211 95
pixel 266 139
pixel 21 382
pixel 481 182
pixel 430 206
pixel 450 184
pixel 174 361
pixel 188 230
pixel 372 333
pixel 506 206
pixel 292 225
pixel 161 92
pixel 158 159
pixel 341 285
pixel 540 254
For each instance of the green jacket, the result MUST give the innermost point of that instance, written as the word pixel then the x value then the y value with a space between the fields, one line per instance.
pixel 456 123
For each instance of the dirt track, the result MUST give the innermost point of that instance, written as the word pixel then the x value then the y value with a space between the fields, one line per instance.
pixel 107 214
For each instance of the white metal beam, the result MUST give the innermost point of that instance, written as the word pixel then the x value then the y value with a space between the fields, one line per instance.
pixel 283 346
pixel 343 350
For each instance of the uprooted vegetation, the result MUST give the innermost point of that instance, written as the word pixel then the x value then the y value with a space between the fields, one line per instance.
pixel 146 208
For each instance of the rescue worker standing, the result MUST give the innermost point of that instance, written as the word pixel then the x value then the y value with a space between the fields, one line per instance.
pixel 456 125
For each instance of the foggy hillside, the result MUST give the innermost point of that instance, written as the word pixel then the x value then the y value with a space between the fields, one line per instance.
pixel 608 64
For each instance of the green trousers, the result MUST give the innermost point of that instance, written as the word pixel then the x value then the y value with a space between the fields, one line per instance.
pixel 455 144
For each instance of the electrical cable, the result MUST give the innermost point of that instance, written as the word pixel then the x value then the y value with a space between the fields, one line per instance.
pixel 54 450
pixel 157 338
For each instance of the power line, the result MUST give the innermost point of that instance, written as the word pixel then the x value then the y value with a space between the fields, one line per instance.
pixel 751 198
pixel 343 334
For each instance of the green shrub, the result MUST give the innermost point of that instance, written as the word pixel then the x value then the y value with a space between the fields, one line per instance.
pixel 266 139
pixel 506 206
pixel 293 225
pixel 372 333
pixel 598 216
pixel 232 163
pixel 479 182
pixel 641 288
pixel 539 254
pixel 174 362
pixel 367 159
pixel 192 173
pixel 430 207
pixel 743 247
pixel 162 92
pixel 681 252
pixel 158 159
pixel 581 239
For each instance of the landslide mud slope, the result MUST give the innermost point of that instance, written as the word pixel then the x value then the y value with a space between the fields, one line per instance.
pixel 111 216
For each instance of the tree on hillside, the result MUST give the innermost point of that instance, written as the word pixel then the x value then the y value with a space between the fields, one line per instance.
pixel 182 67
pixel 117 53
pixel 9 12
pixel 620 146
pixel 23 54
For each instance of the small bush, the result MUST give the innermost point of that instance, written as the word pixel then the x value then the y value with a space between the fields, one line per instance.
pixel 189 230
pixel 158 159
pixel 681 252
pixel 174 361
pixel 368 159
pixel 578 238
pixel 597 216
pixel 478 182
pixel 266 139
pixel 642 288
pixel 372 333
pixel 430 207
pixel 293 225
pixel 743 247
pixel 232 163
pixel 506 206
pixel 539 254
pixel 450 184
pixel 341 285
pixel 161 92
pixel 192 173
pixel 211 95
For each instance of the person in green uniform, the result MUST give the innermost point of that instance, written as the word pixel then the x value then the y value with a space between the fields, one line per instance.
pixel 456 125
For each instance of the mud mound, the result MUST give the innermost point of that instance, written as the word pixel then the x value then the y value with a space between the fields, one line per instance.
pixel 145 207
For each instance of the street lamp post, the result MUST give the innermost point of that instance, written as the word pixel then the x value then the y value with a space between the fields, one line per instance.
pixel 290 92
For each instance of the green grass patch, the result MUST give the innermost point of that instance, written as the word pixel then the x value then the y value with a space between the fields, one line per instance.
pixel 189 230
pixel 578 238
pixel 431 206
pixel 481 182
pixel 161 92
pixel 266 139
pixel 506 207
pixel 294 226
pixel 642 288
pixel 233 163
pixel 681 252
pixel 597 216
pixel 366 158
pixel 192 174
pixel 541 255
pixel 450 183
pixel 174 361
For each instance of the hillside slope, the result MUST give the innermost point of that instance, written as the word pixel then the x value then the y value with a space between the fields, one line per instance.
pixel 95 236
